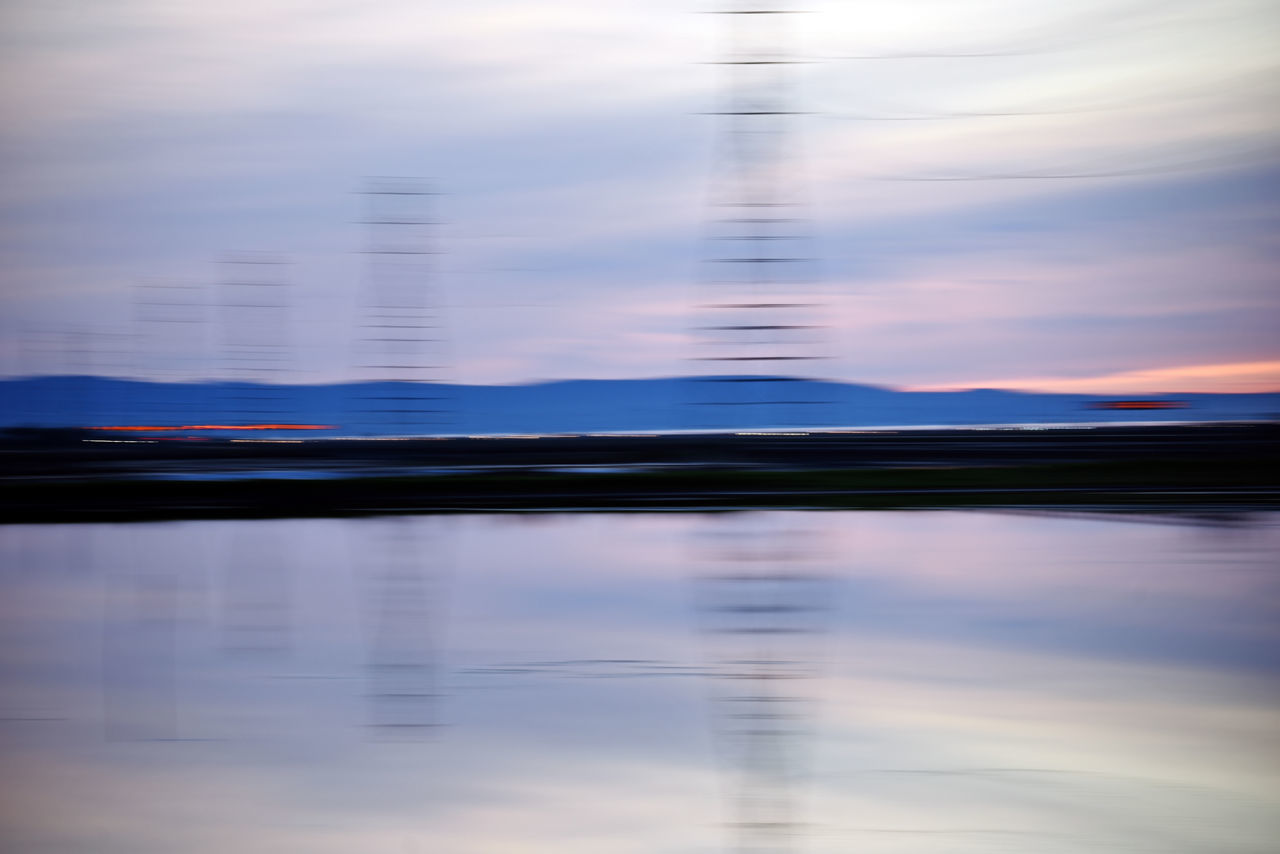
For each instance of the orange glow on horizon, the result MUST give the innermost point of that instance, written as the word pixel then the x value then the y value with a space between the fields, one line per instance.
pixel 145 428
pixel 1233 378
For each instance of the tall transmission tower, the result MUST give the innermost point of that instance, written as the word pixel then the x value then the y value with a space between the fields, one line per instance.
pixel 756 322
pixel 255 312
pixel 400 362
pixel 93 351
pixel 401 349
pixel 170 328
pixel 756 331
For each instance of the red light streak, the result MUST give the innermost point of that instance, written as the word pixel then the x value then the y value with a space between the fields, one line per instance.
pixel 1139 404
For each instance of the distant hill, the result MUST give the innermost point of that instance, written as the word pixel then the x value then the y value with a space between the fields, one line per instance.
pixel 569 406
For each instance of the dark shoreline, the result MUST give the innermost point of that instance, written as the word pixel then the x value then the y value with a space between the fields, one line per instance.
pixel 1220 467
pixel 1167 485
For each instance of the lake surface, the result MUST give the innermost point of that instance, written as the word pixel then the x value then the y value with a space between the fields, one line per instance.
pixel 891 682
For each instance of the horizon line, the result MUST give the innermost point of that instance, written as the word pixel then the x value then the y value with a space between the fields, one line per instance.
pixel 906 389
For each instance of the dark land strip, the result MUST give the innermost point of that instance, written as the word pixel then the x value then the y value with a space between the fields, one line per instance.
pixel 56 476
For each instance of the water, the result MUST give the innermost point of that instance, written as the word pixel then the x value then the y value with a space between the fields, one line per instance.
pixel 893 682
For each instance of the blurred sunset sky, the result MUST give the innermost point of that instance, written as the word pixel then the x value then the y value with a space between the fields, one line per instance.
pixel 1015 194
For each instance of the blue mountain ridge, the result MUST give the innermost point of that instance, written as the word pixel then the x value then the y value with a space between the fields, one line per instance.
pixel 562 406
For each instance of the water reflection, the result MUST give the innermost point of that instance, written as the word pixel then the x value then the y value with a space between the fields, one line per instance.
pixel 139 647
pixel 401 667
pixel 256 591
pixel 957 681
pixel 760 603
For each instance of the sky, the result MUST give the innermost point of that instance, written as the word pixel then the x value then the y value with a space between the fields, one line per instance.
pixel 1001 193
